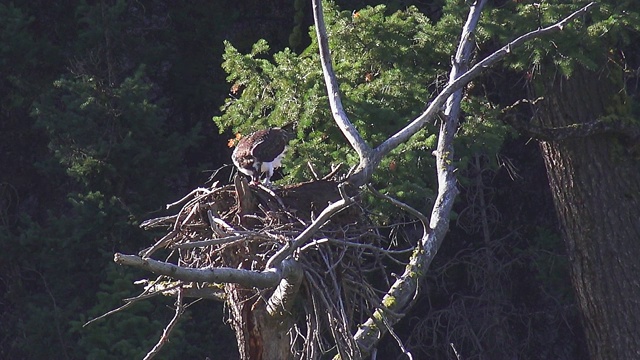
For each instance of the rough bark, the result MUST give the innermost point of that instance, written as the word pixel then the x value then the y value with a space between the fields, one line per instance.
pixel 260 336
pixel 262 332
pixel 401 294
pixel 596 189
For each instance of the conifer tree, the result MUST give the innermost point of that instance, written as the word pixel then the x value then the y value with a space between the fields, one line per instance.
pixel 584 100
pixel 256 78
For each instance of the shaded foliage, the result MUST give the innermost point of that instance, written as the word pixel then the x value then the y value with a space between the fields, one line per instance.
pixel 388 65
pixel 104 110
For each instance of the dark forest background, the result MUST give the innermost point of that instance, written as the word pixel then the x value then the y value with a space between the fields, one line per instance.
pixel 106 115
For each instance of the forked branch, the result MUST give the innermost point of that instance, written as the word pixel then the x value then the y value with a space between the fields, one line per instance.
pixel 466 77
pixel 399 297
pixel 281 269
pixel 370 158
pixel 403 292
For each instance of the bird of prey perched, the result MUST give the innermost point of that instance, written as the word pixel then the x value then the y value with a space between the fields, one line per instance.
pixel 260 152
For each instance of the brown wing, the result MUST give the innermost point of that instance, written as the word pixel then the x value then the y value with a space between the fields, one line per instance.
pixel 242 156
pixel 268 144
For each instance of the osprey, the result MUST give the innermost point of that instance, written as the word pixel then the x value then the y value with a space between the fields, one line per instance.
pixel 260 152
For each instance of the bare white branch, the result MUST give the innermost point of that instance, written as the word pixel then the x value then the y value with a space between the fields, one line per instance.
pixel 402 292
pixel 193 192
pixel 284 273
pixel 339 115
pixel 248 278
pixel 417 124
pixel 283 297
pixel 370 158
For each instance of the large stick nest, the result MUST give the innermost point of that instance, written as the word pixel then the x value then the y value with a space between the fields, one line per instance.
pixel 241 226
pixel 254 222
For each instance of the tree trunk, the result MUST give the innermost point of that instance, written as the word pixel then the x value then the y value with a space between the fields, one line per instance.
pixel 260 336
pixel 595 183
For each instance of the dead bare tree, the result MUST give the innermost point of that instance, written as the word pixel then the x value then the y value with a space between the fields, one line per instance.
pixel 248 247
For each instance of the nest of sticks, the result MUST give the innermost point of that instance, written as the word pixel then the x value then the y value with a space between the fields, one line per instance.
pixel 242 227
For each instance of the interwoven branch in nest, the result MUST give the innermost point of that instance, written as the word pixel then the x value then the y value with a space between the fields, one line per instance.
pixel 216 228
pixel 284 241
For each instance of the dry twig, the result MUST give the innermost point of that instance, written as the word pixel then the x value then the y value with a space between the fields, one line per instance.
pixel 167 330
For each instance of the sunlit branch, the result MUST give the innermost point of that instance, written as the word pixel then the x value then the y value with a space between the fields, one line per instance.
pixel 308 232
pixel 258 279
pixel 370 158
pixel 339 115
pixel 418 123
